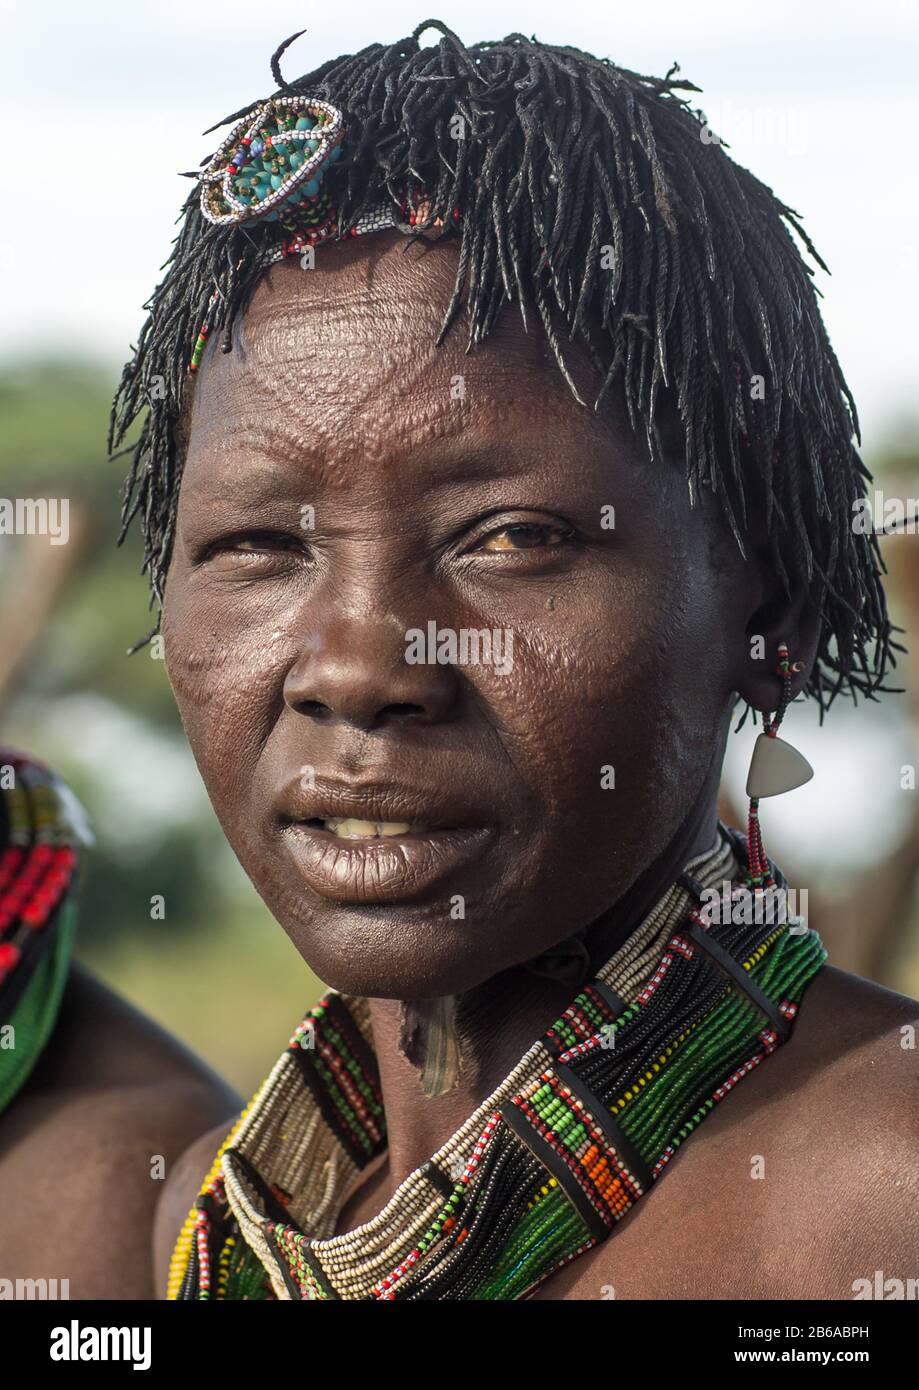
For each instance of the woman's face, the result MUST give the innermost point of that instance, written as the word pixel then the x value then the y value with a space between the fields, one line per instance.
pixel 357 503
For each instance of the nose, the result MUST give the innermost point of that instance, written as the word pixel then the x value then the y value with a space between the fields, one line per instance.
pixel 356 671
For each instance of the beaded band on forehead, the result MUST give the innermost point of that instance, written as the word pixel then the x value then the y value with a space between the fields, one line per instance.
pixel 316 221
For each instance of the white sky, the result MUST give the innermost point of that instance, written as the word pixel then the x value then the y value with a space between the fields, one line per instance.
pixel 105 101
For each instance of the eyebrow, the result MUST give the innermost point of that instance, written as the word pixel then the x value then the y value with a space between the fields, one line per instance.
pixel 450 462
pixel 443 438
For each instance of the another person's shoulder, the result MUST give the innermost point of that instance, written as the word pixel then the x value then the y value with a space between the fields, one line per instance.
pixel 87 1145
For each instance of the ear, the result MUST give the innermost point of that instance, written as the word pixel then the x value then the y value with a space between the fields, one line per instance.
pixel 793 618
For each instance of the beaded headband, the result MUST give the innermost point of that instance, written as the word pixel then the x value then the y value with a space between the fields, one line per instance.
pixel 270 169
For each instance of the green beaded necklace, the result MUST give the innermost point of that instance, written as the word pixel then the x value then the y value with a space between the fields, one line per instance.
pixel 543 1170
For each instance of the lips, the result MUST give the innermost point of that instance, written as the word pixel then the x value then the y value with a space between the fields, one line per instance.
pixel 363 843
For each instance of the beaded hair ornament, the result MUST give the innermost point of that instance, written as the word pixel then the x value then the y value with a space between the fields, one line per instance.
pixel 278 158
pixel 270 169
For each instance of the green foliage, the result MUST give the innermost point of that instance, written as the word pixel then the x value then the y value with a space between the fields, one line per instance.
pixel 104 721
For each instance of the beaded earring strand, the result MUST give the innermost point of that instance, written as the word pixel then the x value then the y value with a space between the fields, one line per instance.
pixel 775 767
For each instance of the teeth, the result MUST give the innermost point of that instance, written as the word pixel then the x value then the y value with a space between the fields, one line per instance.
pixel 347 828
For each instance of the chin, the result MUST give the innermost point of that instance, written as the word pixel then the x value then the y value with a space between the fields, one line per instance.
pixel 393 953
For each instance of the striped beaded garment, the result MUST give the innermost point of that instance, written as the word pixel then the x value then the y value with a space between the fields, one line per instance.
pixel 541 1172
pixel 40 826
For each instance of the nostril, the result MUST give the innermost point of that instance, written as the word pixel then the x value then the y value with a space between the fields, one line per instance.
pixel 401 711
pixel 315 708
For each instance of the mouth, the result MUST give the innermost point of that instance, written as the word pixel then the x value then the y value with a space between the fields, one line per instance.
pixel 350 828
pixel 403 848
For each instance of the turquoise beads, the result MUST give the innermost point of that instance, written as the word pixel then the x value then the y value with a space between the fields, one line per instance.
pixel 272 160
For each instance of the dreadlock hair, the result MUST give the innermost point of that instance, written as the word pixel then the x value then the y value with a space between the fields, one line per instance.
pixel 596 194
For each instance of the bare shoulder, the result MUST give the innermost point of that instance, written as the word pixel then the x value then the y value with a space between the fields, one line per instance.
pixel 864 1003
pixel 90 1141
pixel 179 1193
pixel 855 1040
pixel 851 1077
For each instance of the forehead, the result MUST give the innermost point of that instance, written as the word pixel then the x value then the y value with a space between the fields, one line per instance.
pixel 347 353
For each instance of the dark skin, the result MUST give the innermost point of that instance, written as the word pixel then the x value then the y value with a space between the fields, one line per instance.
pixel 80 1189
pixel 480 509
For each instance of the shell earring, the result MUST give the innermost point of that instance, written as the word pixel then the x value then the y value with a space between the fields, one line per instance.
pixel 775 767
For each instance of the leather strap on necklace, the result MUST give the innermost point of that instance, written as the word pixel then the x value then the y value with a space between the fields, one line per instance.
pixel 731 967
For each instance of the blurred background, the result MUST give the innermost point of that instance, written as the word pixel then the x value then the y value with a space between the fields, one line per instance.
pixel 109 100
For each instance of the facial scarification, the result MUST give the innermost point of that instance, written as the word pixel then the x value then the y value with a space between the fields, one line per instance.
pixel 286 648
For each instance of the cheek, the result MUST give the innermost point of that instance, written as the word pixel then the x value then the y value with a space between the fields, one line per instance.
pixel 613 710
pixel 226 658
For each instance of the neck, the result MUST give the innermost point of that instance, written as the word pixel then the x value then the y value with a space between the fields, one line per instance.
pixel 503 1017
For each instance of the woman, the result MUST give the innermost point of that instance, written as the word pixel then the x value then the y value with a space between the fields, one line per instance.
pixel 457 651
pixel 96 1101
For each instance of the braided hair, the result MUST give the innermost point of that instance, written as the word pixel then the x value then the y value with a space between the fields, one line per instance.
pixel 600 197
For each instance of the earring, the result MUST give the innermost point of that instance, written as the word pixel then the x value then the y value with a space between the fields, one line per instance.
pixel 775 767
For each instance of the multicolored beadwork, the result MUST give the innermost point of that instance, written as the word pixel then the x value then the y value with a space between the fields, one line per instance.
pixel 38 864
pixel 272 161
pixel 545 1168
pixel 37 872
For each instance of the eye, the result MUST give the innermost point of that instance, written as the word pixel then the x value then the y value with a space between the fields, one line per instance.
pixel 526 535
pixel 253 550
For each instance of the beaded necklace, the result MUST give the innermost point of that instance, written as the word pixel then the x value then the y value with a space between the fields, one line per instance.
pixel 37 918
pixel 543 1170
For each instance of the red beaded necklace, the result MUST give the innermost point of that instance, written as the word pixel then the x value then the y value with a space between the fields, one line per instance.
pixel 37 866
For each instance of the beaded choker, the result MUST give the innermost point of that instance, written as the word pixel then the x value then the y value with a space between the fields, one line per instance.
pixel 543 1170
